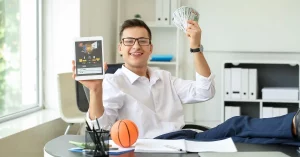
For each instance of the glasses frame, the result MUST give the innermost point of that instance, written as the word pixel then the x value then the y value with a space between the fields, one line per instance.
pixel 136 39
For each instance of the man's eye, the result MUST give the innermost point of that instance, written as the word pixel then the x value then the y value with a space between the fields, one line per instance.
pixel 128 41
pixel 143 41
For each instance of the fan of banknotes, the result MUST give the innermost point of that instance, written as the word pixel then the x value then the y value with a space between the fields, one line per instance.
pixel 182 14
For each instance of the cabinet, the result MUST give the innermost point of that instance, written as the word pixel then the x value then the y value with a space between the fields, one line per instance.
pixel 250 101
pixel 157 15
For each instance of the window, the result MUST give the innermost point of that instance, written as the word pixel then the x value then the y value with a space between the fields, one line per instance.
pixel 19 57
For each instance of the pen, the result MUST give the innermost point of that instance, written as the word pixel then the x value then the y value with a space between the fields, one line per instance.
pixel 88 127
pixel 97 123
pixel 176 148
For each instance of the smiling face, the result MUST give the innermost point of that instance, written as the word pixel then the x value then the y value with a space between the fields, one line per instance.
pixel 135 47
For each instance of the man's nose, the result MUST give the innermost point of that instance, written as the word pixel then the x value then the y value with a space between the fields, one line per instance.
pixel 136 44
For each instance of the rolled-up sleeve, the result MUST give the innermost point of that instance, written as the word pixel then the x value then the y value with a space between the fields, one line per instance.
pixel 190 91
pixel 112 102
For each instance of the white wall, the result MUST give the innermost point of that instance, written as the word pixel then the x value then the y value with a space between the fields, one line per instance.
pixel 98 18
pixel 31 142
pixel 250 25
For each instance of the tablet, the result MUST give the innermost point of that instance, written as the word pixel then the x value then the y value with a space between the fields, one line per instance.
pixel 89 58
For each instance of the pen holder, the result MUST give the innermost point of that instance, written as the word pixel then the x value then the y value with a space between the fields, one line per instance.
pixel 97 143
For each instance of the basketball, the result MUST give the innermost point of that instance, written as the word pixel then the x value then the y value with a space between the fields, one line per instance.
pixel 124 133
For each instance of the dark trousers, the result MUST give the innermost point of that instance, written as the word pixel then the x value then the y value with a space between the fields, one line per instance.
pixel 244 129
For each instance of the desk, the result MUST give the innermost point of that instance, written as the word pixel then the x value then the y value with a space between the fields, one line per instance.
pixel 59 146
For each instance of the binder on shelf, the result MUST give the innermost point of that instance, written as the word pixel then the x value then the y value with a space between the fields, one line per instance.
pixel 227 114
pixel 235 111
pixel 283 111
pixel 252 84
pixel 166 12
pixel 276 112
pixel 245 84
pixel 158 11
pixel 173 6
pixel 232 111
pixel 162 14
pixel 227 83
pixel 236 83
pixel 267 112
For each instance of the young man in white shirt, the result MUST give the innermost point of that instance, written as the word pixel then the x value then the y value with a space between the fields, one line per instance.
pixel 153 99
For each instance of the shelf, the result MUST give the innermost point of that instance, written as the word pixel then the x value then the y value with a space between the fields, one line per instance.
pixel 154 25
pixel 241 100
pixel 282 101
pixel 267 74
pixel 259 100
pixel 162 63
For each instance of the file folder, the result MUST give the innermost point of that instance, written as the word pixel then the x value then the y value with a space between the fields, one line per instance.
pixel 276 112
pixel 166 12
pixel 245 84
pixel 236 83
pixel 227 113
pixel 235 111
pixel 267 112
pixel 227 83
pixel 159 11
pixel 173 6
pixel 283 111
pixel 252 84
pixel 232 111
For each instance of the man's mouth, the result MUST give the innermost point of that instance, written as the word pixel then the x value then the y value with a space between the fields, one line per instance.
pixel 136 54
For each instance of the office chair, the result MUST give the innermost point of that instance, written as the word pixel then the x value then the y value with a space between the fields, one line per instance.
pixel 66 96
pixel 82 95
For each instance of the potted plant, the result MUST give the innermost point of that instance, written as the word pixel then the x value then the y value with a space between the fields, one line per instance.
pixel 137 16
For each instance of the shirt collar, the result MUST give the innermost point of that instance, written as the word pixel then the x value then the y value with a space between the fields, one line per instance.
pixel 133 77
pixel 130 75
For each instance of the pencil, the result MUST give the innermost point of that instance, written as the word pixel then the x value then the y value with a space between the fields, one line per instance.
pixel 88 126
pixel 97 123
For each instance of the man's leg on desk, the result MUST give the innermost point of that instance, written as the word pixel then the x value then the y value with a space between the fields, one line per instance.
pixel 277 130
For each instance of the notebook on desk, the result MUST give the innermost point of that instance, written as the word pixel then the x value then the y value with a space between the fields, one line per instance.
pixel 183 146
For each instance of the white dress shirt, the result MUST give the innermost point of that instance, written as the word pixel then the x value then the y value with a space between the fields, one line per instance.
pixel 155 106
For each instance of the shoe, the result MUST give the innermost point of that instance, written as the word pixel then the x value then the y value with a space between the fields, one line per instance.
pixel 297 124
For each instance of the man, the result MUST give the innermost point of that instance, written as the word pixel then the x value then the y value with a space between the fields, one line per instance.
pixel 153 99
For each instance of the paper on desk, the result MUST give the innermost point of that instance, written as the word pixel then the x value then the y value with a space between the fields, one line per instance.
pixel 159 146
pixel 225 145
pixel 120 149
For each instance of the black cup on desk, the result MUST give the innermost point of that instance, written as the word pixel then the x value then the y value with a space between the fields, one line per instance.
pixel 97 143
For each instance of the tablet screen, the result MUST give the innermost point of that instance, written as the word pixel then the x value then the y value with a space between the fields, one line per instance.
pixel 89 58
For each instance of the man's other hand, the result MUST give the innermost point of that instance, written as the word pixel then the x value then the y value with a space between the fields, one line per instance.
pixel 193 32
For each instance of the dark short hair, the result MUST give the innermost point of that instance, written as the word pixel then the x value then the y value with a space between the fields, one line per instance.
pixel 134 23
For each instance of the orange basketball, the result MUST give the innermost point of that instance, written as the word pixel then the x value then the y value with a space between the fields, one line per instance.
pixel 124 133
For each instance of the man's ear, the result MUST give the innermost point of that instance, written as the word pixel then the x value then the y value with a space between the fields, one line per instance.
pixel 151 48
pixel 120 48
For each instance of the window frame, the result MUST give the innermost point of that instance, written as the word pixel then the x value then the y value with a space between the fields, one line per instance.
pixel 39 76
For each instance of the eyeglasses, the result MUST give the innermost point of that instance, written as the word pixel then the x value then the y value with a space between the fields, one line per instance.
pixel 131 41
